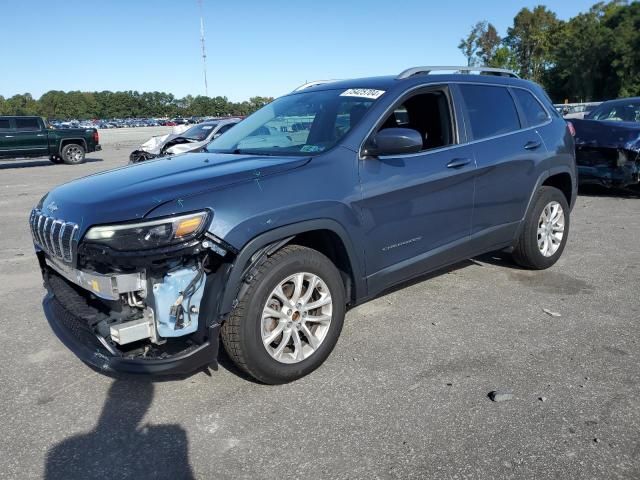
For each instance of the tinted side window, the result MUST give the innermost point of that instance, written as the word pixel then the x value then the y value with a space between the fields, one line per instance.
pixel 5 124
pixel 350 111
pixel 426 113
pixel 224 128
pixel 531 108
pixel 27 124
pixel 491 110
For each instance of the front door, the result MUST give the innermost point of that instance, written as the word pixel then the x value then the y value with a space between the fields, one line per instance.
pixel 417 208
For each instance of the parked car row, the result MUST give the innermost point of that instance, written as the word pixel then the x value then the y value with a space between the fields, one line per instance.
pixel 575 110
pixel 127 122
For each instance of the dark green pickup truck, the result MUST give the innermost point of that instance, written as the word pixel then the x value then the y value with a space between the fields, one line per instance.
pixel 32 137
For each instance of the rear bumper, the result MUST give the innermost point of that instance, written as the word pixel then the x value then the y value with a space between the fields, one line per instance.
pixel 78 337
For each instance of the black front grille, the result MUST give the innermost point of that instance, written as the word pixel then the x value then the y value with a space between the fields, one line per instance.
pixel 56 237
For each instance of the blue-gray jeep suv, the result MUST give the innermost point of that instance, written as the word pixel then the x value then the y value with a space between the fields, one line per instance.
pixel 319 201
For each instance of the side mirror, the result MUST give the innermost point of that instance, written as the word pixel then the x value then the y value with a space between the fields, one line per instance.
pixel 394 141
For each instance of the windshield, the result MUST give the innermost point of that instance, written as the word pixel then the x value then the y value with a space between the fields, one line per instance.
pixel 618 112
pixel 300 124
pixel 199 132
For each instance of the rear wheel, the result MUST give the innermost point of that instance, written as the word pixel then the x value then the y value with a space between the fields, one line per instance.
pixel 73 154
pixel 545 231
pixel 289 320
pixel 57 159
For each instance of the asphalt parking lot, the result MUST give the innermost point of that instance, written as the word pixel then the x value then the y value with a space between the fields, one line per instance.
pixel 404 394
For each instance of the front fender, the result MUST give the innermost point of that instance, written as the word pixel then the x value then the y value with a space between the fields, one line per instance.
pixel 269 242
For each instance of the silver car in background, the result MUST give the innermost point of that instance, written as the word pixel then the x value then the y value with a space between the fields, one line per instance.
pixel 190 140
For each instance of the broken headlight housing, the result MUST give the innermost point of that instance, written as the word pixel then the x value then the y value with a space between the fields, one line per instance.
pixel 150 234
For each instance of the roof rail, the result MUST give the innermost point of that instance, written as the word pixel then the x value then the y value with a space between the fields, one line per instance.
pixel 500 72
pixel 312 84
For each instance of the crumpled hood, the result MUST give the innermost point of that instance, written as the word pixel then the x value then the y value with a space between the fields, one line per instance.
pixel 155 145
pixel 131 192
pixel 607 134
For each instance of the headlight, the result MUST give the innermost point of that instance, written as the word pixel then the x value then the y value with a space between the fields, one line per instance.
pixel 151 234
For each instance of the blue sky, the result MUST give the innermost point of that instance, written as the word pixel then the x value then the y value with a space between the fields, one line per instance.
pixel 254 47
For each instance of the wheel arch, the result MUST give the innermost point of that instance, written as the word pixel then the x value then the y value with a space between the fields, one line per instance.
pixel 555 176
pixel 563 182
pixel 324 235
pixel 76 141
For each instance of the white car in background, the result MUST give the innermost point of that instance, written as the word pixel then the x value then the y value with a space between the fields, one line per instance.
pixel 189 140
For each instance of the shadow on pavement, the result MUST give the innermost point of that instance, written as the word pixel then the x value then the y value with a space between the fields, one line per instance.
pixel 500 258
pixel 11 164
pixel 120 446
pixel 426 276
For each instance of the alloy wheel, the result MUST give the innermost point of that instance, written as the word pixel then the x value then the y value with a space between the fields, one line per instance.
pixel 551 229
pixel 296 317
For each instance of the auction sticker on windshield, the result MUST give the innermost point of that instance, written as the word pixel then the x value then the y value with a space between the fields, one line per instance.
pixel 371 93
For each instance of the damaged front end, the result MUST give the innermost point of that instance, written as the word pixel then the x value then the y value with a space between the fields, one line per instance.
pixel 162 146
pixel 608 166
pixel 137 310
pixel 607 153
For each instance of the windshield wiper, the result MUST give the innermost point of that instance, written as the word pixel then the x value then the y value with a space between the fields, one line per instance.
pixel 244 151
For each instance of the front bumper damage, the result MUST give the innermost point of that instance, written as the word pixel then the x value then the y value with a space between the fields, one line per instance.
pixel 608 166
pixel 119 314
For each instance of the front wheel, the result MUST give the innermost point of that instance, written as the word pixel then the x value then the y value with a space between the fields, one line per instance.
pixel 73 154
pixel 290 317
pixel 545 230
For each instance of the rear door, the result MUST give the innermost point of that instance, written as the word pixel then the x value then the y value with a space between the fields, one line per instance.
pixel 508 153
pixel 417 207
pixel 30 136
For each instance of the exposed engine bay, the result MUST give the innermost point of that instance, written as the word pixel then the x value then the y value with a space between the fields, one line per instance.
pixel 139 307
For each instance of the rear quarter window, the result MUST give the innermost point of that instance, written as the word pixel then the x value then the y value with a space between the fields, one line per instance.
pixel 531 108
pixel 27 124
pixel 5 124
pixel 490 109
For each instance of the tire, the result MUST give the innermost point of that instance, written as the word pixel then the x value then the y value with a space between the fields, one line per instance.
pixel 529 251
pixel 56 159
pixel 73 154
pixel 243 333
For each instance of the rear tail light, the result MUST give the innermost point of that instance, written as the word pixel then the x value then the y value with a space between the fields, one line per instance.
pixel 96 137
pixel 571 128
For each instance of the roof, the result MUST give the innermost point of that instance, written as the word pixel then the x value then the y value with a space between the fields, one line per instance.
pixel 391 82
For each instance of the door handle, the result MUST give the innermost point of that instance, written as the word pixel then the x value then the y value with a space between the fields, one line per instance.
pixel 458 162
pixel 8 136
pixel 532 145
pixel 40 135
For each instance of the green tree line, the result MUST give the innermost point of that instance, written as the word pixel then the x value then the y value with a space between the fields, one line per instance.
pixel 57 104
pixel 592 56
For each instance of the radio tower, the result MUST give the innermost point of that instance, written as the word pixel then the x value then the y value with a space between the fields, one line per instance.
pixel 204 51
